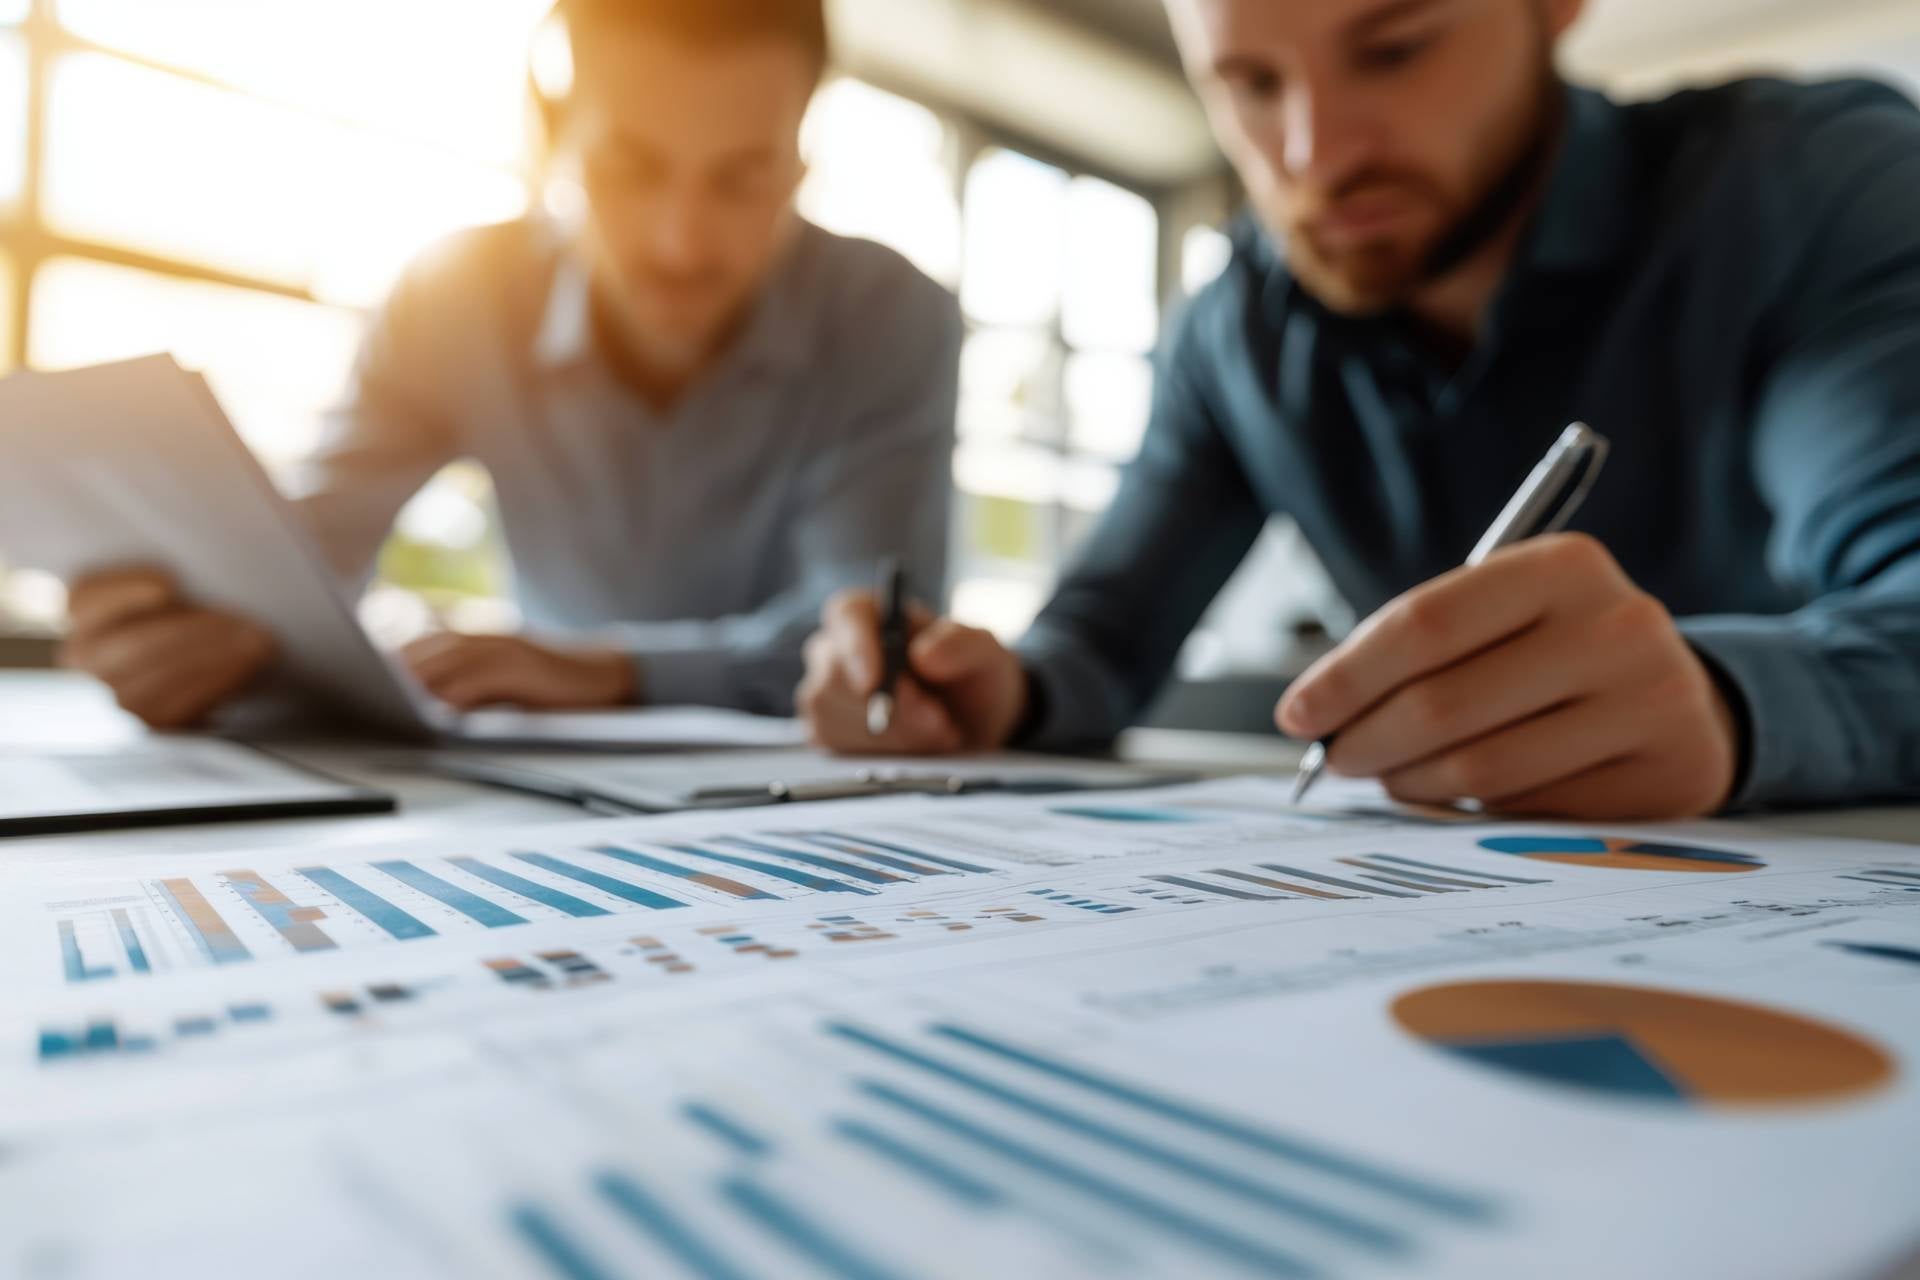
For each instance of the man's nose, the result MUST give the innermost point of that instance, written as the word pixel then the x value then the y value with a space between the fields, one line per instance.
pixel 679 232
pixel 1323 135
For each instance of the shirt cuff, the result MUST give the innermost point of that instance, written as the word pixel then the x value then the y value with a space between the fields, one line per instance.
pixel 1074 698
pixel 1797 749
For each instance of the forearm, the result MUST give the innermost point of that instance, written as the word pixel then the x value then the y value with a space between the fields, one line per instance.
pixel 1832 696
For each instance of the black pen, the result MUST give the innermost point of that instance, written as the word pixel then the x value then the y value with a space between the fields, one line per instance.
pixel 893 646
pixel 1544 504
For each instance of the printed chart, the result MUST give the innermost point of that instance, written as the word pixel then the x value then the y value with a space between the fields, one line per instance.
pixel 1644 1043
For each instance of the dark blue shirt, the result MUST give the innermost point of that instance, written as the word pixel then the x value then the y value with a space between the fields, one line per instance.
pixel 1727 284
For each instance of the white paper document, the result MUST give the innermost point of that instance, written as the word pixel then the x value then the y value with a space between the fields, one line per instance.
pixel 149 778
pixel 660 782
pixel 638 727
pixel 1176 1032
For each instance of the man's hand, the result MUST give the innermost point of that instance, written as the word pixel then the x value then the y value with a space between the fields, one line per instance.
pixel 964 690
pixel 166 661
pixel 1542 681
pixel 466 672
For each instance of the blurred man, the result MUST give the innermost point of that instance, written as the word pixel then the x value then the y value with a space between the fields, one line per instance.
pixel 1458 255
pixel 701 414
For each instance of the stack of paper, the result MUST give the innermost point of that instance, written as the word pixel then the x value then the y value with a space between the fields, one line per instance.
pixel 1177 1032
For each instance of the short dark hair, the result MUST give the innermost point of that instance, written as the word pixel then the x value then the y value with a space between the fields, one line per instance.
pixel 706 22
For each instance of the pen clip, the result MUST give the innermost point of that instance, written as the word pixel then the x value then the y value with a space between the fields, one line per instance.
pixel 1592 449
pixel 1551 494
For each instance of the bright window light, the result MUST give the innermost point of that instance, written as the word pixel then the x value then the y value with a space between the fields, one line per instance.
pixel 275 364
pixel 451 73
pixel 1016 230
pixel 154 162
pixel 13 10
pixel 13 118
pixel 1204 254
pixel 1008 385
pixel 1109 399
pixel 6 313
pixel 1113 252
pixel 878 168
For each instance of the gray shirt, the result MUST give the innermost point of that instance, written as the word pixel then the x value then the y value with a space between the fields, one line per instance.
pixel 704 539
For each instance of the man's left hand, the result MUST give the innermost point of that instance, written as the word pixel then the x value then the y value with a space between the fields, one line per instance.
pixel 1541 681
pixel 476 671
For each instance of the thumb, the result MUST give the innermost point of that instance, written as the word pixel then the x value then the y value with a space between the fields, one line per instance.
pixel 947 652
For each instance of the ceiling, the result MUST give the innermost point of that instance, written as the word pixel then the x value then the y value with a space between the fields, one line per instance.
pixel 1141 25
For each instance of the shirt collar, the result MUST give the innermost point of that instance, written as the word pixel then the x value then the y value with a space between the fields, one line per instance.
pixel 777 334
pixel 1586 216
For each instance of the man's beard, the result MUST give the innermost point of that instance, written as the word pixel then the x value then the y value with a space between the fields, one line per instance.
pixel 1373 278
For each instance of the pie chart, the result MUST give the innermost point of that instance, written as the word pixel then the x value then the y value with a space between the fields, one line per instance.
pixel 1622 854
pixel 1644 1044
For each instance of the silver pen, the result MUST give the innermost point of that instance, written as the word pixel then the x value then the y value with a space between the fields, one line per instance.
pixel 1544 504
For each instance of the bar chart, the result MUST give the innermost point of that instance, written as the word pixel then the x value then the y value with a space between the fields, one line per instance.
pixel 1360 877
pixel 964 1128
pixel 248 914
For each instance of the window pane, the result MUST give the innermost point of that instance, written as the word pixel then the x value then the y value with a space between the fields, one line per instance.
pixel 1203 256
pixel 878 167
pixel 449 72
pixel 275 363
pixel 1109 399
pixel 1113 256
pixel 1009 386
pixel 1004 606
pixel 13 118
pixel 6 313
pixel 154 162
pixel 1016 226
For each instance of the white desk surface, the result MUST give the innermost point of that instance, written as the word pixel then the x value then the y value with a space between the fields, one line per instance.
pixel 59 707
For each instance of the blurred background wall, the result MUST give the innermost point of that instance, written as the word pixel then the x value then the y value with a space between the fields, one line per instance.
pixel 238 181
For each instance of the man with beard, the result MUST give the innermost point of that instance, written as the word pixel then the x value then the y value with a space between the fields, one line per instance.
pixel 1456 255
pixel 702 415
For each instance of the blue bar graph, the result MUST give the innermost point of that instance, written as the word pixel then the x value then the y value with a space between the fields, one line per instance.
pixel 368 903
pixel 136 954
pixel 727 1129
pixel 1335 881
pixel 804 879
pixel 826 1250
pixel 289 919
pixel 214 936
pixel 1412 1190
pixel 634 857
pixel 651 1216
pixel 1880 951
pixel 837 866
pixel 884 859
pixel 55 1045
pixel 77 969
pixel 1435 866
pixel 605 884
pixel 470 905
pixel 919 854
pixel 528 888
pixel 1196 1230
pixel 1353 1229
pixel 1221 890
pixel 558 1250
pixel 962 1186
